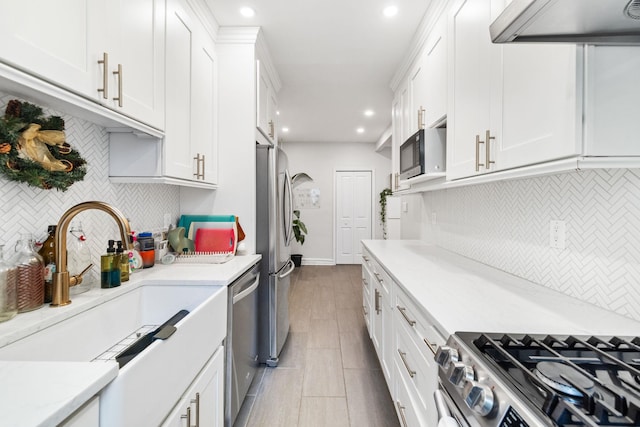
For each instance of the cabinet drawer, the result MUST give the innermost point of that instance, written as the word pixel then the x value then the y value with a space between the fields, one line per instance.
pixel 408 412
pixel 420 374
pixel 420 329
pixel 380 276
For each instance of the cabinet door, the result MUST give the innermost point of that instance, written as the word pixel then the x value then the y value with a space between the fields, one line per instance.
pixel 474 65
pixel 262 99
pixel 418 99
pixel 204 111
pixel 540 100
pixel 137 32
pixel 59 41
pixel 435 64
pixel 178 161
pixel 204 400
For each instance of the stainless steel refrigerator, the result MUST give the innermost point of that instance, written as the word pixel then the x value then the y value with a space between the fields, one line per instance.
pixel 274 232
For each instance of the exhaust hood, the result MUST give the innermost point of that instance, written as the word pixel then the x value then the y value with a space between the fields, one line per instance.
pixel 604 22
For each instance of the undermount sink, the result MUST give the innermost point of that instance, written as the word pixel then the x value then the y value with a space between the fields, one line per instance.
pixel 163 368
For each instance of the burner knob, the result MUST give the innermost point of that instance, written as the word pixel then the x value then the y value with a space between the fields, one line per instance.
pixel 459 374
pixel 445 356
pixel 478 397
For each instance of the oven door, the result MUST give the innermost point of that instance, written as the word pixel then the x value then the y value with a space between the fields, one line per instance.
pixel 448 413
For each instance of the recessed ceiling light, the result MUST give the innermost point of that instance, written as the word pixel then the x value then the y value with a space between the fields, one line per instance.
pixel 285 130
pixel 277 112
pixel 360 130
pixel 247 12
pixel 390 11
pixel 369 113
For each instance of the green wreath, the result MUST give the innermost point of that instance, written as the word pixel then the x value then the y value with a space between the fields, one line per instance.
pixel 33 149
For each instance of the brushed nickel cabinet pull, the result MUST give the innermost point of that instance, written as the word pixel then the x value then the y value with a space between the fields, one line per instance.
pixel 271 129
pixel 197 402
pixel 401 412
pixel 377 301
pixel 119 74
pixel 411 372
pixel 421 114
pixel 199 164
pixel 478 142
pixel 403 311
pixel 364 282
pixel 105 75
pixel 378 277
pixel 364 310
pixel 432 347
pixel 488 138
pixel 187 417
pixel 203 167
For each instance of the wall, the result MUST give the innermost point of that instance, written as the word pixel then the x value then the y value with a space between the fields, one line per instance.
pixel 29 209
pixel 320 161
pixel 506 225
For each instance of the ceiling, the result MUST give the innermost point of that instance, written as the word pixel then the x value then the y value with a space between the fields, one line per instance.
pixel 335 59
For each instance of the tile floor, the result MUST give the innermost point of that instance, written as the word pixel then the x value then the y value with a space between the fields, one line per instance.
pixel 328 373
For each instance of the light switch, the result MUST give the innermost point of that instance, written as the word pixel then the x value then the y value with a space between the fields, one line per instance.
pixel 557 234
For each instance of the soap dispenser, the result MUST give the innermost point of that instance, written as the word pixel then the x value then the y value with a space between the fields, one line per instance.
pixel 123 261
pixel 110 268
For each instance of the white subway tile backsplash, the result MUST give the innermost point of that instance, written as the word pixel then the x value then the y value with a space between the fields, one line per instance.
pixel 506 225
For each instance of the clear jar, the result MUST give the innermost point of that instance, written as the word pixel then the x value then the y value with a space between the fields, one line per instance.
pixel 8 288
pixel 30 268
pixel 79 258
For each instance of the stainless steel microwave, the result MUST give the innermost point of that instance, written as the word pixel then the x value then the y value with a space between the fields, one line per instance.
pixel 423 153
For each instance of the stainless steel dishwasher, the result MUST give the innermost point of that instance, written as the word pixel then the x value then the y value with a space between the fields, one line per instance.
pixel 241 349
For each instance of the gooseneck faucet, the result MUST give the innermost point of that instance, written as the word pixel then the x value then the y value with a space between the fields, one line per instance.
pixel 61 279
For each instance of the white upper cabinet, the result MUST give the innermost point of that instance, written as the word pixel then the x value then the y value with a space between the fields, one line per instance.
pixel 266 103
pixel 435 64
pixel 418 97
pixel 509 106
pixel 190 143
pixel 63 50
pixel 98 49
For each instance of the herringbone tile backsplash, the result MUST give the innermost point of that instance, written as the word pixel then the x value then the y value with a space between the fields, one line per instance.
pixel 506 225
pixel 31 210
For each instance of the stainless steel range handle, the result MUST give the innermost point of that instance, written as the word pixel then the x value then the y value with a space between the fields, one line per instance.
pixel 444 414
pixel 288 226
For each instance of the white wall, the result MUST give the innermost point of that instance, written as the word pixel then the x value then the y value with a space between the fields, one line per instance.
pixel 320 161
pixel 506 225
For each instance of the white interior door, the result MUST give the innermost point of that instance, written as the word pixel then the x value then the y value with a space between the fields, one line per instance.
pixel 353 214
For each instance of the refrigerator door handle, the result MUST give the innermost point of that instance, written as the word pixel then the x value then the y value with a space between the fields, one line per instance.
pixel 288 213
pixel 288 272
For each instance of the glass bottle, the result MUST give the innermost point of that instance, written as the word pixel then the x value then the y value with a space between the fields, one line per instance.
pixel 48 254
pixel 79 258
pixel 8 288
pixel 30 268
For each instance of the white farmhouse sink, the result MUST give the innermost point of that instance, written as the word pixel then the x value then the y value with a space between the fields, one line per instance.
pixel 148 386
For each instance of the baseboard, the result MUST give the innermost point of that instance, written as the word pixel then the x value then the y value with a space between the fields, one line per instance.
pixel 317 261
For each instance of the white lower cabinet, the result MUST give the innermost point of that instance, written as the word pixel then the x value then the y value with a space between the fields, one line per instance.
pixel 202 405
pixel 88 415
pixel 366 295
pixel 405 338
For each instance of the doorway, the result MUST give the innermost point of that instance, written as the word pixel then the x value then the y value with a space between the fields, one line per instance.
pixel 353 217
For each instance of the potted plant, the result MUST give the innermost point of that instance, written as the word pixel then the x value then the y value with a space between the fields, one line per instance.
pixel 299 232
pixel 383 210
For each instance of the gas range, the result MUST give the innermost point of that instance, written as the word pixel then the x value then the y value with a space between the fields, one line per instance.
pixel 501 380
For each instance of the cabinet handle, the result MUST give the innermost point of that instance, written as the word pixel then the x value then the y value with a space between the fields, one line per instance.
pixel 366 258
pixel 199 161
pixel 203 166
pixel 401 412
pixel 105 75
pixel 402 311
pixel 478 142
pixel 411 372
pixel 197 402
pixel 397 183
pixel 377 301
pixel 364 310
pixel 488 138
pixel 271 129
pixel 119 74
pixel 432 347
pixel 378 277
pixel 364 282
pixel 421 114
pixel 187 417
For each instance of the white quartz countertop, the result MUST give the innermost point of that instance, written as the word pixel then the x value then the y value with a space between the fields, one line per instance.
pixel 464 295
pixel 46 393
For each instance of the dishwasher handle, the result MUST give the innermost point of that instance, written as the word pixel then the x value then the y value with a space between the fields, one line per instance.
pixel 243 294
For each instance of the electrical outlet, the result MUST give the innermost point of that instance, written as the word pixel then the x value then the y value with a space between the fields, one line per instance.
pixel 433 218
pixel 167 220
pixel 557 234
